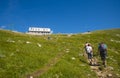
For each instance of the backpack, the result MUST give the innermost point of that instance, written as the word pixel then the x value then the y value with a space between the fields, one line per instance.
pixel 102 47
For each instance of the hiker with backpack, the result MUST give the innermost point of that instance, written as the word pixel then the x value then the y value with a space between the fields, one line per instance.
pixel 89 51
pixel 102 49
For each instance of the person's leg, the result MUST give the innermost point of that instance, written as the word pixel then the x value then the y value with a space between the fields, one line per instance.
pixel 102 55
pixel 90 58
pixel 91 61
pixel 103 58
pixel 104 61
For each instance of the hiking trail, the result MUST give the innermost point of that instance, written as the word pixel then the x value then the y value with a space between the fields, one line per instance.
pixel 101 71
pixel 46 67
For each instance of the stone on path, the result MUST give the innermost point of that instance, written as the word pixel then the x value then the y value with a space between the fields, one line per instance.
pixel 39 45
pixel 94 67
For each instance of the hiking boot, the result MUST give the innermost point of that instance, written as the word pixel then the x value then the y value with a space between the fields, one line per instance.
pixel 104 64
pixel 90 63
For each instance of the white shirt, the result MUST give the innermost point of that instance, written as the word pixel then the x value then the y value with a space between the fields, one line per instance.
pixel 89 49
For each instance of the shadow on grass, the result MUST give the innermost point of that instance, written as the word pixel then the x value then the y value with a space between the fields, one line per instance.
pixel 82 60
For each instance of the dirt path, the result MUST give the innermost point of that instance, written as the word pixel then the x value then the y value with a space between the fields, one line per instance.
pixel 46 67
pixel 101 71
pixel 105 73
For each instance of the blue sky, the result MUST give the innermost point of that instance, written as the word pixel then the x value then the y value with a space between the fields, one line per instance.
pixel 62 16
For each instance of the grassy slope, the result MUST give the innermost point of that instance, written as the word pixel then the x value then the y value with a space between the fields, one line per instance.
pixel 18 57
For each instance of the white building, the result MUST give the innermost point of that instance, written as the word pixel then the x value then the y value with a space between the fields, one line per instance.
pixel 39 31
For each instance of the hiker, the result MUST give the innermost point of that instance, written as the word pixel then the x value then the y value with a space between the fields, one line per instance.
pixel 85 53
pixel 86 44
pixel 102 49
pixel 89 51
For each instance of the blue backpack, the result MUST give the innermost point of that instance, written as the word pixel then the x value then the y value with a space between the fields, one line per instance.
pixel 102 47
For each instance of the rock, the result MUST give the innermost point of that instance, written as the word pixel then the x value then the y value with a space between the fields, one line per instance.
pixel 27 42
pixel 94 67
pixel 73 58
pixel 109 75
pixel 67 51
pixel 99 74
pixel 111 68
pixel 39 45
pixel 31 76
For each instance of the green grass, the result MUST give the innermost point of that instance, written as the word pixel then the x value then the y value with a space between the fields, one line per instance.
pixel 20 54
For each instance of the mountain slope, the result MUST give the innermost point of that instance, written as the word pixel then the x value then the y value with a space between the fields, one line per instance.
pixel 22 55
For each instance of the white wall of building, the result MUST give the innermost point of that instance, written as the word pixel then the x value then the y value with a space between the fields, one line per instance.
pixel 39 31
